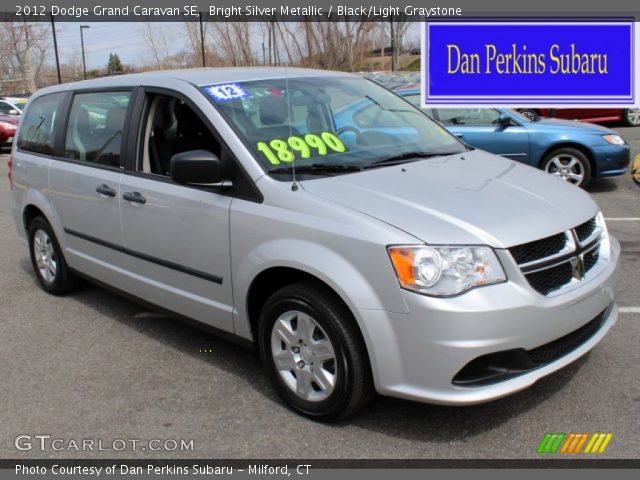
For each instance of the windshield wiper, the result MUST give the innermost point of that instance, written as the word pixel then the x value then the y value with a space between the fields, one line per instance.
pixel 407 157
pixel 319 168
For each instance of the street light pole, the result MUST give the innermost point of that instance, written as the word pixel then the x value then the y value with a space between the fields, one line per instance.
pixel 84 65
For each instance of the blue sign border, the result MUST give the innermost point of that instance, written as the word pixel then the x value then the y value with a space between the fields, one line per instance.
pixel 429 100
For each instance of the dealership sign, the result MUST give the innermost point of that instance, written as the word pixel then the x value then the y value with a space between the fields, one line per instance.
pixel 553 64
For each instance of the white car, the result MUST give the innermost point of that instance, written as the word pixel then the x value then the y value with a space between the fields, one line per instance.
pixel 12 105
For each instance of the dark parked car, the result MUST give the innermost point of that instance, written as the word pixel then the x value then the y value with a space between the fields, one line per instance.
pixel 574 151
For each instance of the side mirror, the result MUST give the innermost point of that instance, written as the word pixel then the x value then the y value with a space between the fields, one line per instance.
pixel 195 167
pixel 504 120
pixel 14 112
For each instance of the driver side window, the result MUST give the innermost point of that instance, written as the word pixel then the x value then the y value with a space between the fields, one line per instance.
pixel 171 126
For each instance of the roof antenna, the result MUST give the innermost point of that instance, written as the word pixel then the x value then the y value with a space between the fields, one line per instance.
pixel 294 185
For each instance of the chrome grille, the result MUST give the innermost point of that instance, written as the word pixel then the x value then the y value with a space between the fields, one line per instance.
pixel 551 263
pixel 551 279
pixel 590 259
pixel 585 230
pixel 532 251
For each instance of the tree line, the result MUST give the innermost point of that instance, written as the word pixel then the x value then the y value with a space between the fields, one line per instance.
pixel 27 59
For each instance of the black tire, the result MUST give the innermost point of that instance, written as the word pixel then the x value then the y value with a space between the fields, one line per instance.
pixel 566 155
pixel 64 281
pixel 353 387
pixel 530 113
pixel 632 117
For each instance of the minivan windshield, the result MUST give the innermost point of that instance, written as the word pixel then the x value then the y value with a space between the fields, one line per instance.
pixel 328 125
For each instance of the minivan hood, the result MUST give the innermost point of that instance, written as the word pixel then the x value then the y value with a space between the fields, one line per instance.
pixel 469 198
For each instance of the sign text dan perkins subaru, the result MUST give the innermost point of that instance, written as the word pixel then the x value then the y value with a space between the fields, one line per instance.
pixel 393 259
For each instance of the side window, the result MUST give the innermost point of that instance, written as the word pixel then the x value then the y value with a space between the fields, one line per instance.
pixel 94 132
pixel 37 131
pixel 468 116
pixel 5 108
pixel 171 126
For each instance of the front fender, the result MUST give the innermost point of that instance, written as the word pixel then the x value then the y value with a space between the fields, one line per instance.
pixel 345 278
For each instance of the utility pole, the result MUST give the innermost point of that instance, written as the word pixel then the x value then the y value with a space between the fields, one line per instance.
pixel 30 81
pixel 55 48
pixel 204 64
pixel 84 64
pixel 394 52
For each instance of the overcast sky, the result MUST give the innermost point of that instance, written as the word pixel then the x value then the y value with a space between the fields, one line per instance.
pixel 127 40
pixel 124 38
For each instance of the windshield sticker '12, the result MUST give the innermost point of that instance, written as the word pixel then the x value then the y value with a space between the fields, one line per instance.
pixel 226 92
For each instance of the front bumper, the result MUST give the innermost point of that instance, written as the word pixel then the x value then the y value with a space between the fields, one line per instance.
pixel 417 355
pixel 611 160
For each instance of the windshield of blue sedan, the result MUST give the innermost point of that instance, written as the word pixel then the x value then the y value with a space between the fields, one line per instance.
pixel 338 122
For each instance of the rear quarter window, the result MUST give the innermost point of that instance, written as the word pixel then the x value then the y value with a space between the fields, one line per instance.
pixel 37 129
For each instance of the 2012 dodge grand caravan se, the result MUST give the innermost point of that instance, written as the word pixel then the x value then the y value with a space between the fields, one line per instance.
pixel 359 253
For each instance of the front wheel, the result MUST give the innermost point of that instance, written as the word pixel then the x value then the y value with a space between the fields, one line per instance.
pixel 314 353
pixel 569 164
pixel 632 117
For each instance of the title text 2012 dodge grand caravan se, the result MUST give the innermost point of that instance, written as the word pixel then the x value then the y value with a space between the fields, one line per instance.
pixel 378 255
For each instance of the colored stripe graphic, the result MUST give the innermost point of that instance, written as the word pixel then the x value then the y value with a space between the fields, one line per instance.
pixel 581 442
pixel 543 443
pixel 567 443
pixel 598 443
pixel 577 441
pixel 574 442
pixel 550 443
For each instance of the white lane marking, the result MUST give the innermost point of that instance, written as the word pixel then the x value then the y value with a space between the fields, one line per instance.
pixel 629 309
pixel 622 219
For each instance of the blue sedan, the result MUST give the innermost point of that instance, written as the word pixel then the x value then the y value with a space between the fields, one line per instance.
pixel 574 151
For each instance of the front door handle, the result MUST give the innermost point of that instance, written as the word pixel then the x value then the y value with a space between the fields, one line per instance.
pixel 106 190
pixel 135 197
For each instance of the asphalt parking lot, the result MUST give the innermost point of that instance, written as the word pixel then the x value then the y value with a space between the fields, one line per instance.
pixel 93 365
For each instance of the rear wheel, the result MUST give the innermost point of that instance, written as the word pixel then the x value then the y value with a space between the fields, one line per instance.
pixel 314 353
pixel 530 113
pixel 569 164
pixel 47 259
pixel 632 116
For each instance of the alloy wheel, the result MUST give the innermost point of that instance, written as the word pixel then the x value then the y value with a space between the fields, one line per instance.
pixel 45 256
pixel 633 116
pixel 304 356
pixel 567 167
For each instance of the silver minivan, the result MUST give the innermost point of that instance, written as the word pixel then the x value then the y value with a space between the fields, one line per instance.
pixel 324 220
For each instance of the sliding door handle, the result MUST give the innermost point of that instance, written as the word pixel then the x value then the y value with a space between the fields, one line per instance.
pixel 135 197
pixel 106 190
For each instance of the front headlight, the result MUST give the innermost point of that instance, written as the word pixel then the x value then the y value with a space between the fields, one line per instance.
pixel 614 139
pixel 445 270
pixel 605 243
